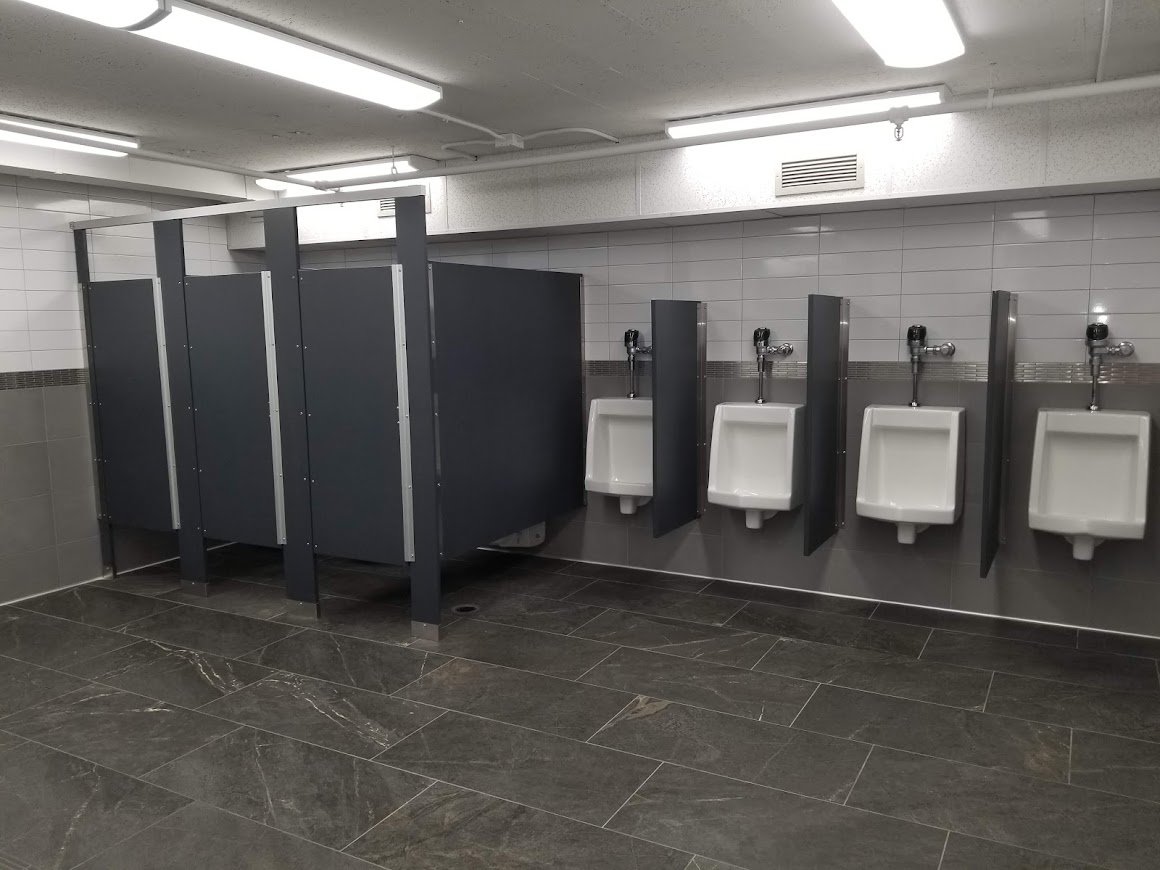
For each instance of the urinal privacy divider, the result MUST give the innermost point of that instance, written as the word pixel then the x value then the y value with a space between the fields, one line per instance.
pixel 996 451
pixel 825 441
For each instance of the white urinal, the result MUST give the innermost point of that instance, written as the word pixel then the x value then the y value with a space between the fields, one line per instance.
pixel 619 459
pixel 1089 476
pixel 755 463
pixel 910 469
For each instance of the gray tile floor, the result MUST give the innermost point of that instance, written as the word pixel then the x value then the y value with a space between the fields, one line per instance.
pixel 578 717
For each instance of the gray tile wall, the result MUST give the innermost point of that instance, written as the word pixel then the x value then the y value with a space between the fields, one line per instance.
pixel 1034 577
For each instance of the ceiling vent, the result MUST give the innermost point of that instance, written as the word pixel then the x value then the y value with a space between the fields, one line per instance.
pixel 819 174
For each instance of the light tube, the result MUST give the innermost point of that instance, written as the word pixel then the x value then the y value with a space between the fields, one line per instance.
pixel 905 33
pixel 24 124
pixel 354 171
pixel 762 119
pixel 111 13
pixel 59 144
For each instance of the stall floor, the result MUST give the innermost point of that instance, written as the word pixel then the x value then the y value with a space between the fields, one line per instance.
pixel 572 716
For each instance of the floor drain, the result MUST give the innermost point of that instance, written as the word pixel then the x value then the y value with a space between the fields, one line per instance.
pixel 465 608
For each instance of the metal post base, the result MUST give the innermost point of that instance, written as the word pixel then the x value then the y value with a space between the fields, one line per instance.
pixel 425 630
pixel 303 609
pixel 199 588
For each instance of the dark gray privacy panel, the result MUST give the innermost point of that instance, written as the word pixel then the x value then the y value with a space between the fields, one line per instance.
pixel 231 400
pixel 508 384
pixel 131 412
pixel 348 332
pixel 825 445
pixel 678 428
pixel 1000 378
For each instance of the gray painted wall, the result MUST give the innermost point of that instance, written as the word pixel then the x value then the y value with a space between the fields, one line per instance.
pixel 1034 576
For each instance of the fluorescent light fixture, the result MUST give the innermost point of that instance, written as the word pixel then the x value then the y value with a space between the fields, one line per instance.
pixel 25 125
pixel 59 144
pixel 782 116
pixel 905 33
pixel 355 171
pixel 111 13
pixel 285 186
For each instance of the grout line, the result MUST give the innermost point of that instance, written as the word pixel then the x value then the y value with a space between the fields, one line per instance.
pixel 854 784
pixel 1070 752
pixel 806 704
pixel 987 698
pixel 943 856
pixel 195 749
pixel 396 810
pixel 631 796
pixel 615 716
pixel 393 694
pixel 572 633
pixel 598 664
pixel 924 644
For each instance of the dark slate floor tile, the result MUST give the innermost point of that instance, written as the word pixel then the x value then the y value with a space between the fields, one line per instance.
pixel 324 796
pixel 51 642
pixel 537 651
pixel 9 741
pixel 1125 714
pixel 757 827
pixel 154 580
pixel 1121 644
pixel 690 640
pixel 23 685
pixel 538 584
pixel 799 598
pixel 767 697
pixel 92 605
pixel 1115 764
pixel 1048 662
pixel 364 585
pixel 546 704
pixel 637 576
pixel 116 729
pixel 364 664
pixel 337 717
pixel 223 634
pixel 241 560
pixel 699 863
pixel 583 782
pixel 1062 820
pixel 523 611
pixel 368 620
pixel 877 672
pixel 968 623
pixel 1030 748
pixel 201 836
pixel 786 758
pixel 57 810
pixel 831 628
pixel 658 602
pixel 969 853
pixel 180 676
pixel 234 596
pixel 448 827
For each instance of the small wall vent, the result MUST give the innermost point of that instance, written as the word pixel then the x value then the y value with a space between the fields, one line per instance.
pixel 818 174
pixel 387 208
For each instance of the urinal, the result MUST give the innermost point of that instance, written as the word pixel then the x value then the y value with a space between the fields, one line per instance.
pixel 1089 476
pixel 755 462
pixel 910 469
pixel 619 458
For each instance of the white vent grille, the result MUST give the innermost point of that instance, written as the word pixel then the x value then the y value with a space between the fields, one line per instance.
pixel 387 208
pixel 817 174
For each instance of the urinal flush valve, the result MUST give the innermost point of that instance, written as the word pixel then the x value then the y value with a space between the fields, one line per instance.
pixel 1098 346
pixel 633 349
pixel 761 346
pixel 916 343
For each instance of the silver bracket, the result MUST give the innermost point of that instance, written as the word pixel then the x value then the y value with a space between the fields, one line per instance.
pixel 404 395
pixel 166 405
pixel 275 412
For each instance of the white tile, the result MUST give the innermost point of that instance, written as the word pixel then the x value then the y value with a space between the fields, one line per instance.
pixel 864 262
pixel 1043 254
pixel 1113 203
pixel 779 288
pixel 940 329
pixel 780 246
pixel 707 291
pixel 1106 251
pixel 53 300
pixel 875 306
pixel 795 331
pixel 595 276
pixel 1054 229
pixel 132 246
pixel 456 249
pixel 595 294
pixel 63 339
pixel 699 232
pixel 621 293
pixel 845 241
pixel 577 240
pixel 863 328
pixel 192 232
pixel 723 330
pixel 14 341
pixel 707 249
pixel 1044 278
pixel 874 284
pixel 596 331
pixel 12 259
pixel 1049 350
pixel 13 300
pixel 728 310
pixel 874 350
pixel 1055 206
pixel 572 257
pixel 464 259
pixel 940 259
pixel 1127 226
pixel 780 267
pixel 639 311
pixel 9 237
pixel 643 326
pixel 650 273
pixel 775 309
pixel 1141 300
pixel 622 255
pixel 519 246
pixel 1130 327
pixel 596 350
pixel 54 320
pixel 63 358
pixel 1051 325
pixel 521 260
pixel 56 221
pixel 16 321
pixel 707 270
pixel 950 214
pixel 51 184
pixel 1127 275
pixel 596 313
pixel 780 226
pixel 12 279
pixel 52 261
pixel 861 220
pixel 946 305
pixel 15 361
pixel 48 200
pixel 9 216
pixel 725 351
pixel 40 280
pixel 653 236
pixel 948 235
pixel 1052 302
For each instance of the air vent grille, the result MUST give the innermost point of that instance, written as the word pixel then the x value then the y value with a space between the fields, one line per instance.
pixel 387 208
pixel 818 174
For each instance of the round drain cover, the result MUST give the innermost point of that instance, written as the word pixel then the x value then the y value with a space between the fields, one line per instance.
pixel 465 608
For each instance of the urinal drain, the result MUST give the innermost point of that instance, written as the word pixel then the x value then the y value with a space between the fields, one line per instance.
pixel 465 608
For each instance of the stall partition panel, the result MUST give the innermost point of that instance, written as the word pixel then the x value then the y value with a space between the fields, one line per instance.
pixel 235 407
pixel 508 388
pixel 1000 378
pixel 825 448
pixel 352 401
pixel 130 370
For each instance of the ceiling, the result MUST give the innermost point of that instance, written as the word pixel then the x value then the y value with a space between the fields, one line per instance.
pixel 622 66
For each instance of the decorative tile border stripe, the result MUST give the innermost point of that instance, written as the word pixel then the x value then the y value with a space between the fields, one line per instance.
pixel 50 378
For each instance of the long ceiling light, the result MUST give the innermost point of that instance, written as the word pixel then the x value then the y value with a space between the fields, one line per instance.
pixel 782 116
pixel 23 131
pixel 905 33
pixel 355 171
pixel 185 25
